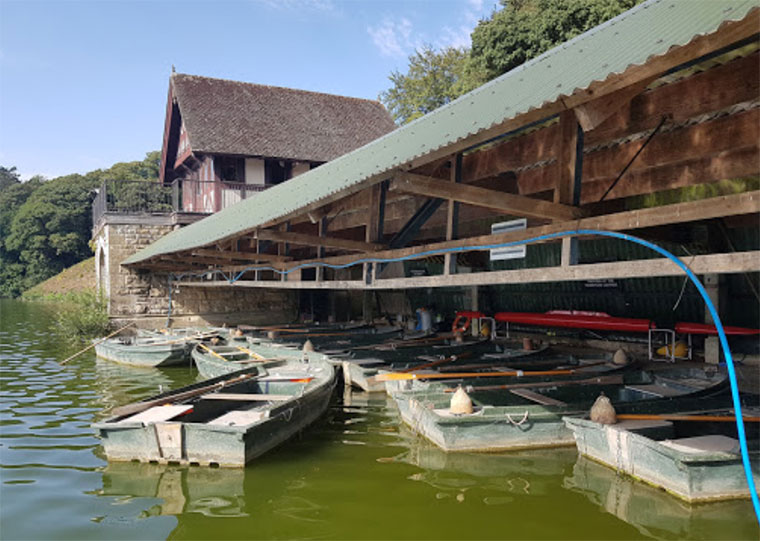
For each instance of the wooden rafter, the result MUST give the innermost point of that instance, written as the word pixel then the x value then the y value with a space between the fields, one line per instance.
pixel 644 268
pixel 508 203
pixel 705 209
pixel 240 256
pixel 311 240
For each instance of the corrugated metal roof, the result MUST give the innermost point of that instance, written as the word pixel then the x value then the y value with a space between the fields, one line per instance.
pixel 648 30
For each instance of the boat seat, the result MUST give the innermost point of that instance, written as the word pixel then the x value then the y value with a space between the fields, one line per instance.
pixel 240 418
pixel 157 414
pixel 538 398
pixel 247 397
pixel 704 444
pixel 655 390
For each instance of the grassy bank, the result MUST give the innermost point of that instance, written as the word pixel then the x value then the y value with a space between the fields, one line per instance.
pixel 79 278
pixel 81 313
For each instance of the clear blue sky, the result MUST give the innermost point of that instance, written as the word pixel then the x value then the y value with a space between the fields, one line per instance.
pixel 83 84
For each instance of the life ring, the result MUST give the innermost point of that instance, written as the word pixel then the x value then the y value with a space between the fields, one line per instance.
pixel 455 327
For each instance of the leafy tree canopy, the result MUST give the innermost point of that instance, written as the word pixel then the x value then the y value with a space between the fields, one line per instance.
pixel 521 30
pixel 434 79
pixel 45 225
pixel 526 28
pixel 8 177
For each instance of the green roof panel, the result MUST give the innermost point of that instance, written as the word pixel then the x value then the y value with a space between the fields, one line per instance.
pixel 648 30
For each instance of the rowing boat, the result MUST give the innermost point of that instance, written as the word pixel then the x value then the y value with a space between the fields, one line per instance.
pixel 523 415
pixel 695 460
pixel 225 421
pixel 145 351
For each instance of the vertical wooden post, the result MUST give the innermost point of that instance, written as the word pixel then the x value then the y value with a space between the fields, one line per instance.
pixel 373 233
pixel 570 168
pixel 320 271
pixel 284 248
pixel 452 217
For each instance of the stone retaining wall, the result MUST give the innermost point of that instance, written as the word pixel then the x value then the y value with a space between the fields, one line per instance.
pixel 144 295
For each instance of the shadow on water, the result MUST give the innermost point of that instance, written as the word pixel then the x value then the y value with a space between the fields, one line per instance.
pixel 356 474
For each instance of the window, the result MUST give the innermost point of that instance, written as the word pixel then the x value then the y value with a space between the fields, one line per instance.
pixel 231 169
pixel 276 171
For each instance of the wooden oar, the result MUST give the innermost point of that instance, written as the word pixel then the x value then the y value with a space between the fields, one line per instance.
pixel 396 376
pixel 183 339
pixel 251 353
pixel 438 362
pixel 98 342
pixel 674 417
pixel 137 407
pixel 214 353
pixel 602 380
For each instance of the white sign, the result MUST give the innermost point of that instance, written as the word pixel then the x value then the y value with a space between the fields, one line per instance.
pixel 510 252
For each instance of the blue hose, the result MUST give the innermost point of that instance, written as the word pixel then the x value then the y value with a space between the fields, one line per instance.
pixel 713 312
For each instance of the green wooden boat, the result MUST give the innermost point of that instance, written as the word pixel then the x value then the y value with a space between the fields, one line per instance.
pixel 695 461
pixel 531 417
pixel 214 361
pixel 146 351
pixel 226 421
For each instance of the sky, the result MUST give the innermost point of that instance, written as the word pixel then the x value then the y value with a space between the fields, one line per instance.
pixel 83 84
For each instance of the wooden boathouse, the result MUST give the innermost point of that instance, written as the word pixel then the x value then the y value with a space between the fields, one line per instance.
pixel 646 125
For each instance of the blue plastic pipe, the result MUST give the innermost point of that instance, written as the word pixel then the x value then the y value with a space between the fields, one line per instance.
pixel 622 236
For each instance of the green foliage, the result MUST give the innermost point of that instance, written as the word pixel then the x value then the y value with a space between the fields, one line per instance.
pixel 139 196
pixel 526 28
pixel 434 79
pixel 45 224
pixel 522 30
pixel 81 316
pixel 8 177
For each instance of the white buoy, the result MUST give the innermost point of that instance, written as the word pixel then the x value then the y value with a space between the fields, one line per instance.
pixel 603 412
pixel 620 357
pixel 308 346
pixel 272 335
pixel 460 402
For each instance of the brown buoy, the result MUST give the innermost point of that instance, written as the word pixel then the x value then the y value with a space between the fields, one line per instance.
pixel 458 338
pixel 602 411
pixel 272 335
pixel 620 357
pixel 460 402
pixel 237 333
pixel 527 344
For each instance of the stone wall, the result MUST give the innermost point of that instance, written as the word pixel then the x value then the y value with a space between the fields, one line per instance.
pixel 144 295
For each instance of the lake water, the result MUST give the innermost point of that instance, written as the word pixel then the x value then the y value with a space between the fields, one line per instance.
pixel 357 474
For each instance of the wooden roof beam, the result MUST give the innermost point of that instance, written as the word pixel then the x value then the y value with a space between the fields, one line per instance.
pixel 240 256
pixel 311 240
pixel 508 203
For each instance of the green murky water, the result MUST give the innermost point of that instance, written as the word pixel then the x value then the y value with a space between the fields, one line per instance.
pixel 357 474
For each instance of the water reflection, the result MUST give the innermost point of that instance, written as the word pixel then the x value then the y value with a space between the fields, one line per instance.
pixel 524 473
pixel 654 512
pixel 208 491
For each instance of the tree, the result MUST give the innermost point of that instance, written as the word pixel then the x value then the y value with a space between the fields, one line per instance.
pixel 434 79
pixel 522 30
pixel 526 28
pixel 50 230
pixel 8 177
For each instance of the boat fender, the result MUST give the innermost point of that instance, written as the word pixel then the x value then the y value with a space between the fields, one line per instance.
pixel 527 344
pixel 458 338
pixel 461 327
pixel 237 333
pixel 272 335
pixel 620 357
pixel 308 346
pixel 602 411
pixel 681 350
pixel 460 402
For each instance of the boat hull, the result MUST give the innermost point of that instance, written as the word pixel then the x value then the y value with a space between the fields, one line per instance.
pixel 145 355
pixel 642 450
pixel 213 442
